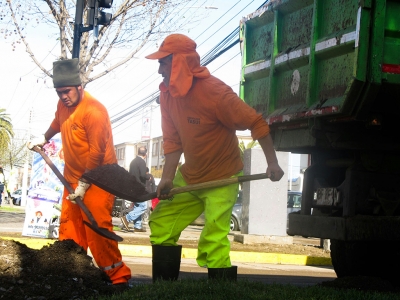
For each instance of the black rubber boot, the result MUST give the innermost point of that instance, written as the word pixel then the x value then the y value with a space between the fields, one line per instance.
pixel 166 262
pixel 223 273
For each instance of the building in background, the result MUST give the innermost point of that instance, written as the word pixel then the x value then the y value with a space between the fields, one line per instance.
pixel 127 151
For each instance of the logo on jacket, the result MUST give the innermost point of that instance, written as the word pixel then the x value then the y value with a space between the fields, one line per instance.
pixel 193 120
pixel 74 127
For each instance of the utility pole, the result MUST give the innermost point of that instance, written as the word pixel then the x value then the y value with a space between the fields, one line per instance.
pixel 150 156
pixel 26 165
pixel 290 170
pixel 95 17
pixel 78 29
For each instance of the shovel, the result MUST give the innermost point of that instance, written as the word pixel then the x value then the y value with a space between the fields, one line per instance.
pixel 93 224
pixel 108 177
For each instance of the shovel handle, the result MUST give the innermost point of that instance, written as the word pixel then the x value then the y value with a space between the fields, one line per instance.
pixel 93 224
pixel 78 200
pixel 205 185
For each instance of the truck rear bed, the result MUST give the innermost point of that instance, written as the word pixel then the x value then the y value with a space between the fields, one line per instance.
pixel 310 64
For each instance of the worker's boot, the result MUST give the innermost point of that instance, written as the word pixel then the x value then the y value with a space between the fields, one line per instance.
pixel 223 273
pixel 166 262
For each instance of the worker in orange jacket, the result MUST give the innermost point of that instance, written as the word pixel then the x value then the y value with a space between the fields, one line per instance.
pixel 200 116
pixel 87 143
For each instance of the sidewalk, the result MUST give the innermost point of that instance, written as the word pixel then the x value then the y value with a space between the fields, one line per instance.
pixel 13 222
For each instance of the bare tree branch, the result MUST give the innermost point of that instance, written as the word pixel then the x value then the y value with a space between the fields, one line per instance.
pixel 134 24
pixel 28 49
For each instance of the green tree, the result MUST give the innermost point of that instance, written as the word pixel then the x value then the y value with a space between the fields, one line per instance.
pixel 134 23
pixel 14 156
pixel 6 132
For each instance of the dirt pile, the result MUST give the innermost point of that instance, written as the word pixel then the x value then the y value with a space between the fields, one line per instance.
pixel 59 271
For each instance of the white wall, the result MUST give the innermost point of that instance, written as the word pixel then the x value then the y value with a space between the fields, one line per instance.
pixel 264 209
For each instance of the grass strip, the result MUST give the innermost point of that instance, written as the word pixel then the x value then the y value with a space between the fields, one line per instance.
pixel 190 289
pixel 11 209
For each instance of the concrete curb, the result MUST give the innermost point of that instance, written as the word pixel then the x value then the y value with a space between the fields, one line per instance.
pixel 236 256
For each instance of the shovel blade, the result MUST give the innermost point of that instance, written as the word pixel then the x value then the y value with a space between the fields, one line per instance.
pixel 117 181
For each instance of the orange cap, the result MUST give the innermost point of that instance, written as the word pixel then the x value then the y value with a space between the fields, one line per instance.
pixel 174 43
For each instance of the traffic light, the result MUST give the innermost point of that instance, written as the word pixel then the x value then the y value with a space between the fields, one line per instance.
pixel 95 14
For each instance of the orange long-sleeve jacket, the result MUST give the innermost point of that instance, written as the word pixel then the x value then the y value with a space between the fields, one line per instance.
pixel 201 120
pixel 86 136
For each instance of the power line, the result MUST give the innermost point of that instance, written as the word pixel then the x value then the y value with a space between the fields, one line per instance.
pixel 151 100
pixel 214 53
pixel 132 111
pixel 151 96
pixel 119 102
pixel 147 104
pixel 148 45
pixel 219 19
pixel 226 62
pixel 210 56
pixel 35 68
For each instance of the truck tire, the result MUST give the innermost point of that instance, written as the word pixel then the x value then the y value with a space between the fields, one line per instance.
pixel 366 259
pixel 338 256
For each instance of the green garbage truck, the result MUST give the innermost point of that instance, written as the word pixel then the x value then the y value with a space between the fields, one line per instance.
pixel 326 76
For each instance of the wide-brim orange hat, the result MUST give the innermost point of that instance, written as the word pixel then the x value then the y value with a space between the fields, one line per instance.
pixel 174 44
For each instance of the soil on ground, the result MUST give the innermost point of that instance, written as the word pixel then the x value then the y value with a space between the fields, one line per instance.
pixel 59 271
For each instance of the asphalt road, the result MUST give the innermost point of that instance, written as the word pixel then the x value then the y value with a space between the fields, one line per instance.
pixel 266 273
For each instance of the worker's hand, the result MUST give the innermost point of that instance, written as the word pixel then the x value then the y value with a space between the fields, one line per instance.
pixel 274 171
pixel 79 191
pixel 39 141
pixel 165 184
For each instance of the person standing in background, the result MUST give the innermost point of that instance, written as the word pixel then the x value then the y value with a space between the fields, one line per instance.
pixel 137 168
pixel 150 183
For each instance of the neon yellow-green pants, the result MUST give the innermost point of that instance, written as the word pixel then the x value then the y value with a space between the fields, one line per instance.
pixel 170 218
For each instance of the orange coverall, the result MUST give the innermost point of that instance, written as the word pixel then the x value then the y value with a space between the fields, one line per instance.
pixel 88 143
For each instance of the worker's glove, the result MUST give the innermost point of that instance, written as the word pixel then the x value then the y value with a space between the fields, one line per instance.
pixel 79 191
pixel 39 141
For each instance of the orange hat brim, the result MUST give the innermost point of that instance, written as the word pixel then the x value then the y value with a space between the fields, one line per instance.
pixel 158 55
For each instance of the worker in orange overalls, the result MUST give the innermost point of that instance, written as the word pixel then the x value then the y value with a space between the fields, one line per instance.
pixel 87 143
pixel 200 116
